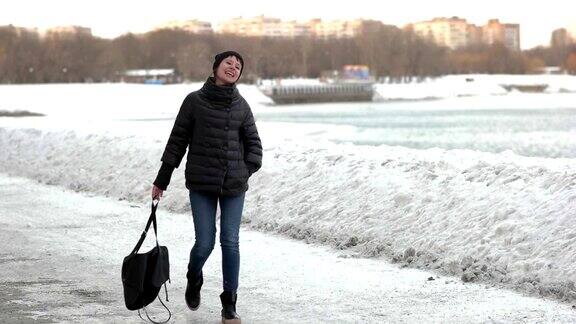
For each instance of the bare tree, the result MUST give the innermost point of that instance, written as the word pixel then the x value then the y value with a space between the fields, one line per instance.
pixel 390 52
pixel 193 60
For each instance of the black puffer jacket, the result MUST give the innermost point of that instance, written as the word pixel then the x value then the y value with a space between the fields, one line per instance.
pixel 224 149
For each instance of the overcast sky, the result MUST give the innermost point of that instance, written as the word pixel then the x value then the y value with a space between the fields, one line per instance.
pixel 109 18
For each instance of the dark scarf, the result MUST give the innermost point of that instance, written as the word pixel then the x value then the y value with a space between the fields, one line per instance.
pixel 219 96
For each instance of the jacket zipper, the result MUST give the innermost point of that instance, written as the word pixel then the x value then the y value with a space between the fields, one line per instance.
pixel 223 178
pixel 226 153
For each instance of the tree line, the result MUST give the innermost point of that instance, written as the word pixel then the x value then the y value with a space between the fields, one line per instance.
pixel 391 53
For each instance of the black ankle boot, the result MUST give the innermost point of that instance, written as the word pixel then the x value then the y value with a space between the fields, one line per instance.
pixel 229 315
pixel 192 294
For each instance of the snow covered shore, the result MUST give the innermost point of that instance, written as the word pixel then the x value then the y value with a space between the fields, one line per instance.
pixel 499 218
pixel 457 85
pixel 127 100
pixel 472 85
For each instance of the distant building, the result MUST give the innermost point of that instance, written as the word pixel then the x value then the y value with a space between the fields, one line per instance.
pixel 474 35
pixel 153 76
pixel 453 32
pixel 507 34
pixel 257 26
pixel 20 30
pixel 295 29
pixel 457 33
pixel 70 30
pixel 194 26
pixel 561 38
pixel 550 70
pixel 335 28
pixel 449 32
pixel 274 27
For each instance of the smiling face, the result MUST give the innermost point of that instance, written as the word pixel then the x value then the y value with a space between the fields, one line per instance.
pixel 228 71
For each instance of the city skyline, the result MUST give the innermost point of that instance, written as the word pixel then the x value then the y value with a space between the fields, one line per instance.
pixel 111 19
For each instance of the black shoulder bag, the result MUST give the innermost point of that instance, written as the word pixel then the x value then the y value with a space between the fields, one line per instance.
pixel 143 274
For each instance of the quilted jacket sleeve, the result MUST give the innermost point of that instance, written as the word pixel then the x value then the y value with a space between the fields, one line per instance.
pixel 252 143
pixel 163 178
pixel 180 135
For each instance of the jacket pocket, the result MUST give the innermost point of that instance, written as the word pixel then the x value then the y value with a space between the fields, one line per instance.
pixel 244 168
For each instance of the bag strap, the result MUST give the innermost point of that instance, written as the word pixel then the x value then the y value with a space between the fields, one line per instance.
pixel 151 220
pixel 153 321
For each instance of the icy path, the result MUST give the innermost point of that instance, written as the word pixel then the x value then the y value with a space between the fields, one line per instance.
pixel 62 253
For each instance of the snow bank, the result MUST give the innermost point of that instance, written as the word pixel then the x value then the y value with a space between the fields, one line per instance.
pixel 500 218
pixel 442 87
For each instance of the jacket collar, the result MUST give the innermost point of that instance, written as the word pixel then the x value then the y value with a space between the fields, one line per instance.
pixel 219 94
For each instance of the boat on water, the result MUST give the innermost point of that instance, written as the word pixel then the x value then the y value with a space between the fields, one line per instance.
pixel 352 84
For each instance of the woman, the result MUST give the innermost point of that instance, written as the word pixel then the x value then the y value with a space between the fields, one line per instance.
pixel 217 125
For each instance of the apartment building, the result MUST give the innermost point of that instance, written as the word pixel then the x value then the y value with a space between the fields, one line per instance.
pixel 273 27
pixel 70 30
pixel 256 26
pixel 450 32
pixel 21 30
pixel 335 28
pixel 561 38
pixel 456 32
pixel 453 32
pixel 474 35
pixel 193 26
pixel 496 32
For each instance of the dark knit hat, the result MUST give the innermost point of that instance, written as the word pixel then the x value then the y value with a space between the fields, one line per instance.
pixel 220 57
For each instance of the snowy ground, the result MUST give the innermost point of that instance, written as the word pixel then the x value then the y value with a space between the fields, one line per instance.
pixel 500 218
pixel 478 214
pixel 64 257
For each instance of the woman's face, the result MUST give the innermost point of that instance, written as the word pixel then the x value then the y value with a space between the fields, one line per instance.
pixel 228 71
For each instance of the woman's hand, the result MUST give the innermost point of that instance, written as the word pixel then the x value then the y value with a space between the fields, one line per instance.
pixel 157 192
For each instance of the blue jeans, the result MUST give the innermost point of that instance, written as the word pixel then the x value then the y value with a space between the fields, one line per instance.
pixel 204 214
